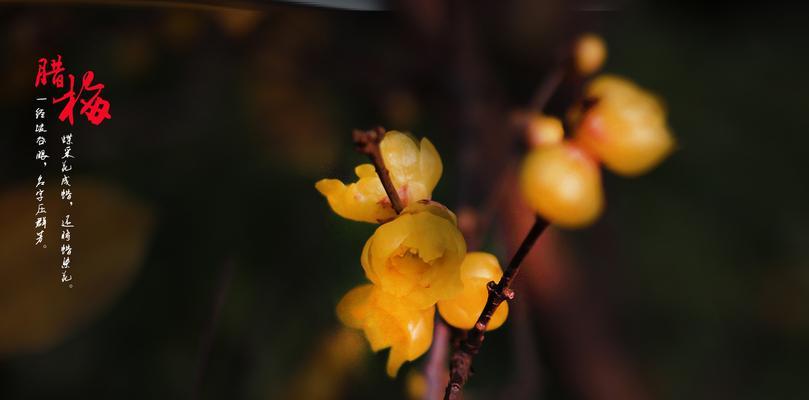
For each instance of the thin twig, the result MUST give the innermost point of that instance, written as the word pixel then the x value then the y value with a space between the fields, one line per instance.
pixel 206 341
pixel 539 102
pixel 528 380
pixel 435 370
pixel 461 362
pixel 548 87
pixel 489 208
pixel 367 142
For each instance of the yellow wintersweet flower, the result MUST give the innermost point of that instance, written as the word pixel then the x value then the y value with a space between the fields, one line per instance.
pixel 418 255
pixel 463 310
pixel 415 169
pixel 387 321
pixel 626 127
pixel 562 183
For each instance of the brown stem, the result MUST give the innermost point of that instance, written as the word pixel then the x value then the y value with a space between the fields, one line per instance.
pixel 576 332
pixel 206 341
pixel 435 370
pixel 489 208
pixel 548 87
pixel 461 361
pixel 367 142
pixel 527 380
pixel 539 102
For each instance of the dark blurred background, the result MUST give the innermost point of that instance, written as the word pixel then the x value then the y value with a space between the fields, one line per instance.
pixel 207 266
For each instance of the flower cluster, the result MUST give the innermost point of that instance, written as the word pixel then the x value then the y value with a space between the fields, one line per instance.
pixel 415 259
pixel 618 124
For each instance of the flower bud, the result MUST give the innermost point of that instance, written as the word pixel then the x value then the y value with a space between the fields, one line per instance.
pixel 590 53
pixel 563 184
pixel 542 130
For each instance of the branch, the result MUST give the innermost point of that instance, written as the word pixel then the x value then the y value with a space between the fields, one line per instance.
pixel 206 340
pixel 543 94
pixel 435 369
pixel 367 142
pixel 548 87
pixel 461 362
